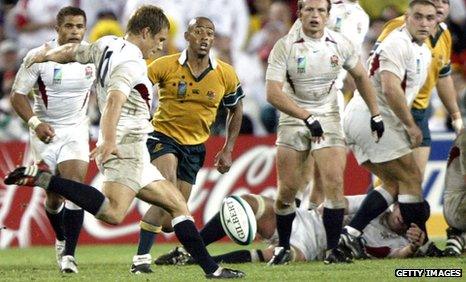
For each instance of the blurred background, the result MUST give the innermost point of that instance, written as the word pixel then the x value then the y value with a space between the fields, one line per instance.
pixel 246 31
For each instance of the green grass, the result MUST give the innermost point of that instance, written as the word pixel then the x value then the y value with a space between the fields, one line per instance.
pixel 111 263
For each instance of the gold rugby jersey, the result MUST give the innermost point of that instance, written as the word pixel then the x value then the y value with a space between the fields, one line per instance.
pixel 188 105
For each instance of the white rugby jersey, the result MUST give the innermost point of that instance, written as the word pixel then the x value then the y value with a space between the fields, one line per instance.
pixel 309 67
pixel 349 19
pixel 400 55
pixel 454 180
pixel 61 91
pixel 380 240
pixel 120 66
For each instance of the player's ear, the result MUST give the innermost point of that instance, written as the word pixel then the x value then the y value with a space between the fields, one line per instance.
pixel 145 32
pixel 186 33
pixel 57 28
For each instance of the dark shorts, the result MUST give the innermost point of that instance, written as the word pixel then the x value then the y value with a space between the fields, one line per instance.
pixel 421 117
pixel 190 157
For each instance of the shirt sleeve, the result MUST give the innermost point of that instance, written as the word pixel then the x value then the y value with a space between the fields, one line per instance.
pixel 26 78
pixel 155 71
pixel 276 69
pixel 233 90
pixel 351 55
pixel 445 70
pixel 87 53
pixel 124 77
pixel 392 57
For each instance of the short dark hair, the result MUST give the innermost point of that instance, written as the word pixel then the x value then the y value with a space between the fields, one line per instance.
pixel 421 2
pixel 69 11
pixel 148 16
pixel 301 4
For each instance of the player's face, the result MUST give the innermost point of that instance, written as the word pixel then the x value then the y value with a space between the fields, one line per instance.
pixel 200 37
pixel 420 21
pixel 71 30
pixel 314 16
pixel 154 43
pixel 395 221
pixel 443 9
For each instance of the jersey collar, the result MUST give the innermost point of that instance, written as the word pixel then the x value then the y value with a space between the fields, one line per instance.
pixel 184 58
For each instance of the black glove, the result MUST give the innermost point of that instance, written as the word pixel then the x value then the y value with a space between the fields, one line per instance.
pixel 377 126
pixel 314 126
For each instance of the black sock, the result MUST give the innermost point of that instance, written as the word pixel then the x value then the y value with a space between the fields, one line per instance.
pixel 73 222
pixel 372 206
pixel 414 213
pixel 240 256
pixel 56 220
pixel 333 222
pixel 284 225
pixel 87 197
pixel 192 242
pixel 212 230
pixel 146 240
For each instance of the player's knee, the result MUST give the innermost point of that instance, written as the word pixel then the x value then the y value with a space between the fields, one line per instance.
pixel 112 218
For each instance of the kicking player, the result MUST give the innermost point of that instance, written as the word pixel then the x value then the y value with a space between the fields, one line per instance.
pixel 59 127
pixel 454 198
pixel 398 69
pixel 385 237
pixel 124 94
pixel 301 74
pixel 191 87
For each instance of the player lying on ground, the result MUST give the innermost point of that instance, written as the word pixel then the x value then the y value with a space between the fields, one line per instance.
pixel 454 198
pixel 385 236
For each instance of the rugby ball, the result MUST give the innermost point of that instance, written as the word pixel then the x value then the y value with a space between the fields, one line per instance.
pixel 238 220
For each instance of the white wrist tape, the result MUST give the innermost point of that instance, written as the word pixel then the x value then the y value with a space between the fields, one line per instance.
pixel 457 124
pixel 34 122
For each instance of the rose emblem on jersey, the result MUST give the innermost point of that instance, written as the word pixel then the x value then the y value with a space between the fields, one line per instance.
pixel 88 72
pixel 334 61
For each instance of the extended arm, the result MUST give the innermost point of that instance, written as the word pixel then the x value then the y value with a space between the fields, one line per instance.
pixel 233 124
pixel 448 96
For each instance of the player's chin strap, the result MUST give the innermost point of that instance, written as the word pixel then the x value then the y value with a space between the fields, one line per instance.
pixel 260 206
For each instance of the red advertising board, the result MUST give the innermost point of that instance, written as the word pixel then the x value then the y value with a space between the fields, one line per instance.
pixel 23 221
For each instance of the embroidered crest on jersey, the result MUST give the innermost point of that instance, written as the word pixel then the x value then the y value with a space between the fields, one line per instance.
pixel 334 61
pixel 301 65
pixel 57 75
pixel 88 72
pixel 182 88
pixel 211 95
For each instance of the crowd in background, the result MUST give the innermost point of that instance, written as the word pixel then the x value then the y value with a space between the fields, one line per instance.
pixel 246 31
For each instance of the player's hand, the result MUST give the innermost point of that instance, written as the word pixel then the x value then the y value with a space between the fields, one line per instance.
pixel 314 126
pixel 103 152
pixel 415 236
pixel 45 132
pixel 39 56
pixel 377 127
pixel 415 136
pixel 457 124
pixel 223 161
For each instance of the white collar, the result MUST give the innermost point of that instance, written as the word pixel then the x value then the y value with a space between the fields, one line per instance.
pixel 184 57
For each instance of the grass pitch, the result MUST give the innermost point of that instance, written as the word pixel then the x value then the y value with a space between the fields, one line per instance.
pixel 112 262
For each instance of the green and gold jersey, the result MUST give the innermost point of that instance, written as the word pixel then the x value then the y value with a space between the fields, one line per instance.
pixel 188 105
pixel 440 46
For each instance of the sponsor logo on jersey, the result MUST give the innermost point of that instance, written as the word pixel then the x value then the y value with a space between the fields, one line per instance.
pixel 210 95
pixel 301 62
pixel 338 25
pixel 88 72
pixel 57 75
pixel 157 147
